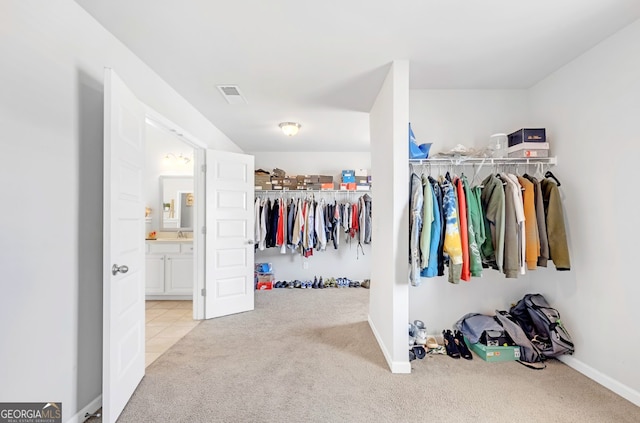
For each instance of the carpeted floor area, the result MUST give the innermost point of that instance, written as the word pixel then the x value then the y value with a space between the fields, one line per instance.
pixel 310 356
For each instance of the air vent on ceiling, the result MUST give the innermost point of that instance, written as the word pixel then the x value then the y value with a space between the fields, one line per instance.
pixel 232 94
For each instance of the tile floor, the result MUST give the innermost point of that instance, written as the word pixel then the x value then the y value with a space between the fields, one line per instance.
pixel 166 323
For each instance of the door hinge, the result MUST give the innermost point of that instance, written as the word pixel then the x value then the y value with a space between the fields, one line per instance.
pixel 204 230
pixel 203 292
pixel 204 168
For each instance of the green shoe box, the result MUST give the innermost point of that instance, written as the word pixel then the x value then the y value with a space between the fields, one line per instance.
pixel 494 354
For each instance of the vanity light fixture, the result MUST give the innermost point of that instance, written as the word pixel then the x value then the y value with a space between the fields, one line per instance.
pixel 290 128
pixel 180 158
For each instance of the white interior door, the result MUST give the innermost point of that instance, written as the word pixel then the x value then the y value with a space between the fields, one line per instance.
pixel 123 356
pixel 229 239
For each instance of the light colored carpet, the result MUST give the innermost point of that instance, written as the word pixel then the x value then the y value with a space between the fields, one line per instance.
pixel 310 356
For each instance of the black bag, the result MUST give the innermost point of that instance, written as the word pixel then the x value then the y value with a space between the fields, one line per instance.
pixel 542 325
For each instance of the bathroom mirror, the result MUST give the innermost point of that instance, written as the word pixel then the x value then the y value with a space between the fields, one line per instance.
pixel 177 203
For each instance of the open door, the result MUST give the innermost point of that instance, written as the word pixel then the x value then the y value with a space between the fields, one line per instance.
pixel 123 355
pixel 229 237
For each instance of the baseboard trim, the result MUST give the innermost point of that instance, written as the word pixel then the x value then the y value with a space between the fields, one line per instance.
pixel 623 390
pixel 394 366
pixel 90 408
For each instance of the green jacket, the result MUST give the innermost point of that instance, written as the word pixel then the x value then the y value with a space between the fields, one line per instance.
pixel 556 232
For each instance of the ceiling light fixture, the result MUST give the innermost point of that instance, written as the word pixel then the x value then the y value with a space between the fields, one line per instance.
pixel 180 158
pixel 290 128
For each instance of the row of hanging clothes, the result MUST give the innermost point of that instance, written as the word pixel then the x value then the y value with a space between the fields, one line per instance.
pixel 509 222
pixel 301 222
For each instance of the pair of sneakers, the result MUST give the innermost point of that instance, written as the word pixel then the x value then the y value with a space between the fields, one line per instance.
pixel 455 345
pixel 417 333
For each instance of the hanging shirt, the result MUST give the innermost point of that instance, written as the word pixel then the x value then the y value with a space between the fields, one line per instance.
pixel 321 233
pixel 452 242
pixel 522 236
pixel 427 220
pixel 256 221
pixel 532 247
pixel 465 274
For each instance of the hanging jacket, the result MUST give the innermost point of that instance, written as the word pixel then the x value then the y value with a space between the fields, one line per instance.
pixel 511 267
pixel 542 224
pixel 436 228
pixel 336 225
pixel 493 205
pixel 556 232
pixel 474 215
pixel 437 190
pixel 367 218
pixel 415 225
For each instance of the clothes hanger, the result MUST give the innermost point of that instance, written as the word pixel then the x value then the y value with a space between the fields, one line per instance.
pixel 549 174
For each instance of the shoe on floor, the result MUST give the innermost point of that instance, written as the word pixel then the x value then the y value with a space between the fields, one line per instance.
pixel 450 344
pixel 419 351
pixel 462 346
pixel 366 283
pixel 432 342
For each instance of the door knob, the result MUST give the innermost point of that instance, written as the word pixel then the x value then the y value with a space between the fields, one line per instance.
pixel 122 269
pixel 250 242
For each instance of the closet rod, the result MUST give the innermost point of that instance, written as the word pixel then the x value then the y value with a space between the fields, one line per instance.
pixel 310 192
pixel 463 161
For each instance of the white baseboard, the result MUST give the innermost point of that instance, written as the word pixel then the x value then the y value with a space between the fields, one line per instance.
pixel 394 366
pixel 623 390
pixel 90 408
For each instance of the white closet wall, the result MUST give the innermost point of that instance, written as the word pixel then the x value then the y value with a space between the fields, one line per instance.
pixel 593 104
pixel 467 117
pixel 343 262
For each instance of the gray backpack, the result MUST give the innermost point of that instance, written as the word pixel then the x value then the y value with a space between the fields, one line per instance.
pixel 530 355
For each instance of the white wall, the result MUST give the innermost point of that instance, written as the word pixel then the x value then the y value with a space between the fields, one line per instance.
pixel 347 261
pixel 51 110
pixel 388 306
pixel 468 117
pixel 593 106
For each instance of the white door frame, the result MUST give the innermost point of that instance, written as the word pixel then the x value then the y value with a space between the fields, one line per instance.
pixel 199 149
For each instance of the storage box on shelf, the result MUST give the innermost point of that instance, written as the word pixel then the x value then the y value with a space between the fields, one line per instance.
pixel 527 135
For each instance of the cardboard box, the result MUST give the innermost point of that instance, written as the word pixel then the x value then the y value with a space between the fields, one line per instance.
pixel 327 186
pixel 263 286
pixel 350 186
pixel 361 187
pixel 262 267
pixel 494 354
pixel 325 179
pixel 361 172
pixel 527 135
pixel 348 176
pixel 528 153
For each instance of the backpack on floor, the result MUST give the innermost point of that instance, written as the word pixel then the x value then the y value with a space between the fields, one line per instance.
pixel 542 325
pixel 530 355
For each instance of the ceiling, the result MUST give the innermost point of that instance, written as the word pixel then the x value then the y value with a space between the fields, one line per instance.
pixel 322 63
